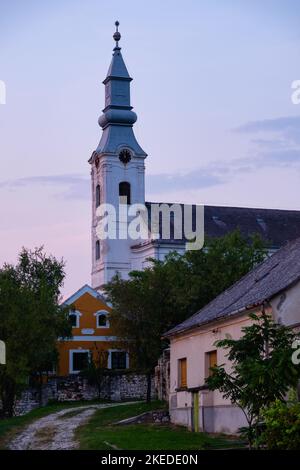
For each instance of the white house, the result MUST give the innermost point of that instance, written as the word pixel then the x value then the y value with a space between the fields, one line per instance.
pixel 273 285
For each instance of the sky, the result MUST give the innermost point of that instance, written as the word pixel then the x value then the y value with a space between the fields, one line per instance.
pixel 212 91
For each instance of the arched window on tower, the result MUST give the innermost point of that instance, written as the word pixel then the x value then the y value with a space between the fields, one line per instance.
pixel 124 192
pixel 98 195
pixel 97 250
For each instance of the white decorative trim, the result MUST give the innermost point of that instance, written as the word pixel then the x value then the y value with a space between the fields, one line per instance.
pixel 83 290
pixel 87 331
pixel 109 362
pixel 77 314
pixel 99 313
pixel 94 338
pixel 71 351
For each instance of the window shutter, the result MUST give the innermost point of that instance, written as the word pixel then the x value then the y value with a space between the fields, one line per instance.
pixel 212 358
pixel 183 373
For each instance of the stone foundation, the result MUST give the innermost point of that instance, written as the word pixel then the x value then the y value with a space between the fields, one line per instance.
pixel 156 417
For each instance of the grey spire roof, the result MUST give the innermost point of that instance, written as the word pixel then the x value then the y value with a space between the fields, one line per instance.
pixel 117 68
pixel 118 118
pixel 265 281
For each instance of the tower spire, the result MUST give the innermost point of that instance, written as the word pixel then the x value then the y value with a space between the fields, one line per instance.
pixel 118 118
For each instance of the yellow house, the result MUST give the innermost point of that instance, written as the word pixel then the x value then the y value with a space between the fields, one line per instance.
pixel 92 335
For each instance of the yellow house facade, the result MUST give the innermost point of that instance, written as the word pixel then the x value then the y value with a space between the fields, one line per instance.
pixel 92 335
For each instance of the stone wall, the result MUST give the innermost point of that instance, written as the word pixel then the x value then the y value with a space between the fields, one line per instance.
pixel 116 387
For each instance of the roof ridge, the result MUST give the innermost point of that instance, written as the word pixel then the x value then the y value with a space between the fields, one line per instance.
pixel 216 206
pixel 273 260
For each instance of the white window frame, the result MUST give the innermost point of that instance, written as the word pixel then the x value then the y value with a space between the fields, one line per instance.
pixel 98 314
pixel 109 362
pixel 78 315
pixel 71 351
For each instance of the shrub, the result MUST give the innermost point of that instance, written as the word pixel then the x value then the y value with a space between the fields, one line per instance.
pixel 282 426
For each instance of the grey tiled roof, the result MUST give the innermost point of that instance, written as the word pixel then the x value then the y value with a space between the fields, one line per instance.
pixel 275 226
pixel 270 277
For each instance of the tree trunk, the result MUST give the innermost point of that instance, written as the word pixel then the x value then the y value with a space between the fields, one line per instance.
pixel 40 388
pixel 8 396
pixel 149 377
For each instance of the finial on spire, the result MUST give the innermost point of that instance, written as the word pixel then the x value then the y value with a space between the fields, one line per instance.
pixel 117 35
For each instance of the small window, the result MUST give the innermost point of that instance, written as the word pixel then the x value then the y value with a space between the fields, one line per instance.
pixel 182 373
pixel 118 359
pixel 98 195
pixel 73 320
pixel 101 320
pixel 80 360
pixel 211 361
pixel 124 192
pixel 97 249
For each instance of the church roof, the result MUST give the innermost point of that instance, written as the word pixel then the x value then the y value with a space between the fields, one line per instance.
pixel 269 278
pixel 275 226
pixel 117 68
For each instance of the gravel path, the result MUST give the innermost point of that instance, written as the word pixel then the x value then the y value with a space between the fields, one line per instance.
pixel 56 431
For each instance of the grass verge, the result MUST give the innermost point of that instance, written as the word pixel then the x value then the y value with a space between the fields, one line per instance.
pixel 101 433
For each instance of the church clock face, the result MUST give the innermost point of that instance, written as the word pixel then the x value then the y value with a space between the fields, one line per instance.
pixel 125 156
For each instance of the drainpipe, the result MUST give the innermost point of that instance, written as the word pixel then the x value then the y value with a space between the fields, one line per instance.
pixel 202 411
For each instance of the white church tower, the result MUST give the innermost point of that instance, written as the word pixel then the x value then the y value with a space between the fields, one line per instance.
pixel 117 169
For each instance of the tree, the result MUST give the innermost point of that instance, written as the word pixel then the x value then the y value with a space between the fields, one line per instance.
pixel 31 320
pixel 166 293
pixel 261 369
pixel 221 263
pixel 96 369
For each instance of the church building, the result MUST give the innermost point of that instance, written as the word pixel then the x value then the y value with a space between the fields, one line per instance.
pixel 118 171
pixel 118 179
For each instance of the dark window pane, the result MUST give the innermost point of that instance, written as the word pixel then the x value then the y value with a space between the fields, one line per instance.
pixel 98 196
pixel 124 191
pixel 80 360
pixel 118 360
pixel 73 319
pixel 101 320
pixel 97 249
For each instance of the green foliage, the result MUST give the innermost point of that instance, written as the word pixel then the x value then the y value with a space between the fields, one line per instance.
pixel 97 369
pixel 31 320
pixel 282 426
pixel 261 371
pixel 221 263
pixel 163 295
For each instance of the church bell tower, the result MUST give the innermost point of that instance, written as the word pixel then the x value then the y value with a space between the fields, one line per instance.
pixel 117 170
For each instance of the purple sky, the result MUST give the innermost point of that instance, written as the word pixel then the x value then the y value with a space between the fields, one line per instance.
pixel 212 90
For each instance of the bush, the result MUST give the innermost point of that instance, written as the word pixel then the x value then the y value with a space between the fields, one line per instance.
pixel 282 426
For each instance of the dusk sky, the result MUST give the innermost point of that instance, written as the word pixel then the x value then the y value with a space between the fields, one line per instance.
pixel 212 91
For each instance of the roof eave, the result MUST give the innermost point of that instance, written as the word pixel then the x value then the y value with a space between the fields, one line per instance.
pixel 240 311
